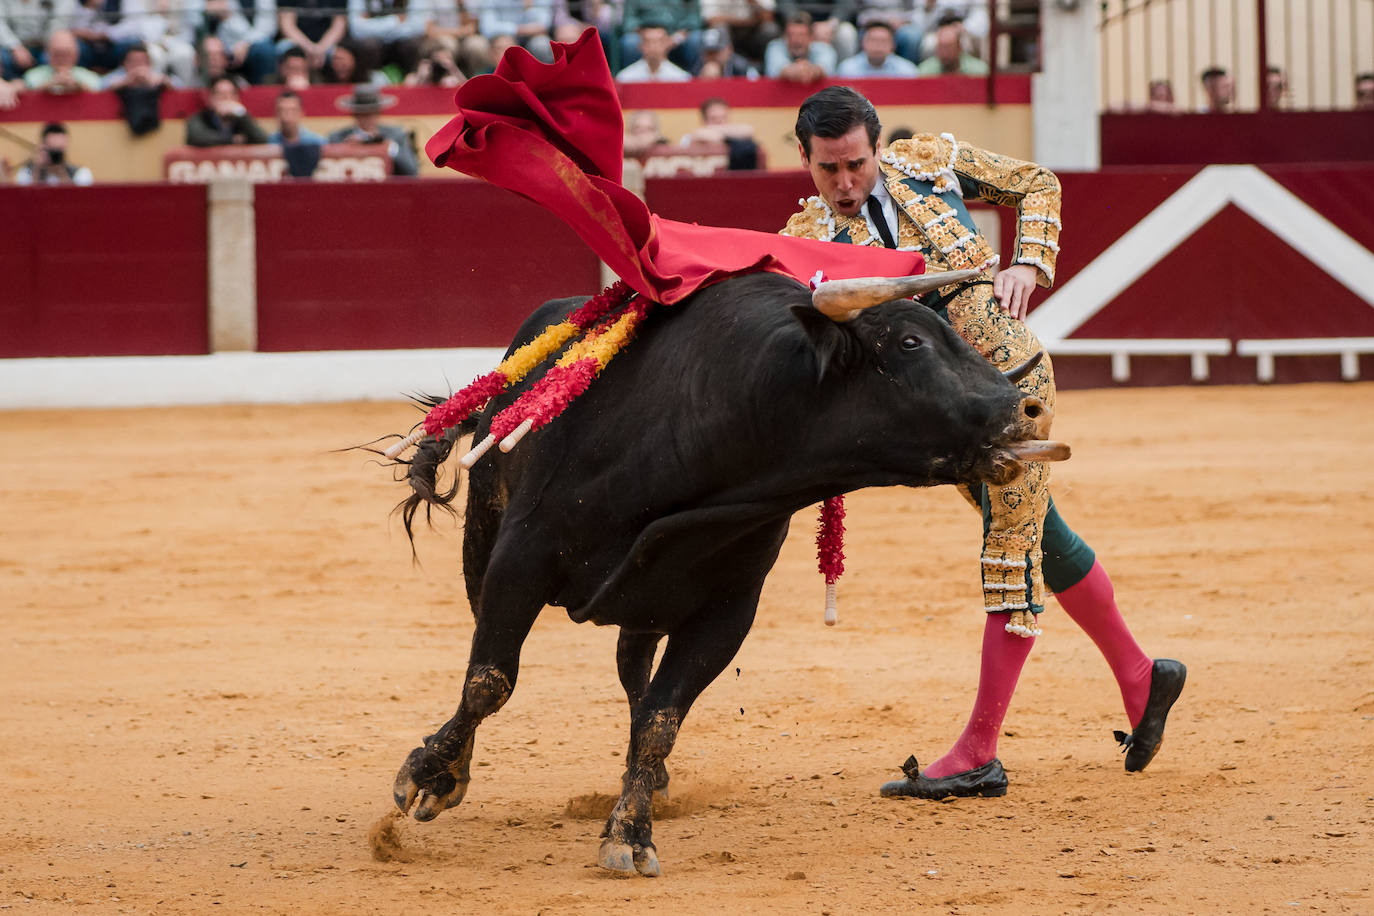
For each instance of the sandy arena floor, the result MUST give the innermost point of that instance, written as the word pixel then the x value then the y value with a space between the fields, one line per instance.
pixel 217 653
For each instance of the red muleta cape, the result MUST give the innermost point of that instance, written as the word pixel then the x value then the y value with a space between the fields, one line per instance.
pixel 553 133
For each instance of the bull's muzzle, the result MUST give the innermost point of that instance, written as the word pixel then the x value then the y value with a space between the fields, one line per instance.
pixel 1034 418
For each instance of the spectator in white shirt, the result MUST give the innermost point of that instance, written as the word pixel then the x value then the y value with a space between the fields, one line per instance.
pixel 879 56
pixel 797 57
pixel 653 64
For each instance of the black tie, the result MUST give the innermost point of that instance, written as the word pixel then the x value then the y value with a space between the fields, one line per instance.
pixel 875 210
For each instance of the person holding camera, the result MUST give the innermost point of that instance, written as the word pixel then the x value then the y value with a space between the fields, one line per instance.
pixel 223 121
pixel 437 67
pixel 49 165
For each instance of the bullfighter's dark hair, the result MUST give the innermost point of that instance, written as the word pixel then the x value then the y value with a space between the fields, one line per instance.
pixel 1212 73
pixel 834 112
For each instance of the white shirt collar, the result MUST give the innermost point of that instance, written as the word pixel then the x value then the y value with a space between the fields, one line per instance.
pixel 886 202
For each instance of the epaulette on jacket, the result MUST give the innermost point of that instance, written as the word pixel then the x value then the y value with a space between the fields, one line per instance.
pixel 926 157
pixel 815 221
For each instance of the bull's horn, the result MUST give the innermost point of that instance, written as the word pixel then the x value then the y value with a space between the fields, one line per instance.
pixel 1016 373
pixel 843 299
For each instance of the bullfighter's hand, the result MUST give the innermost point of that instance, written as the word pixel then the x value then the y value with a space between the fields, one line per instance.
pixel 1013 288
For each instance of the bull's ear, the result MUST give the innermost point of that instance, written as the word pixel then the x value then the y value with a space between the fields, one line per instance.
pixel 828 339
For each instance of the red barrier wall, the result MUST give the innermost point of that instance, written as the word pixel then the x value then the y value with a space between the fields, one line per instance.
pixel 743 200
pixel 1235 277
pixel 122 270
pixel 1144 138
pixel 407 264
pixel 102 271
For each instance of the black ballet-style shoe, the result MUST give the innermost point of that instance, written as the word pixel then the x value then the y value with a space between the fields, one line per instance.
pixel 986 781
pixel 1166 683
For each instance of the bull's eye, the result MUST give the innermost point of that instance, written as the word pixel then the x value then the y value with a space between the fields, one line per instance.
pixel 911 342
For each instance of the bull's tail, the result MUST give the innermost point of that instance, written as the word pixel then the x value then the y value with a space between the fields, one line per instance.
pixel 422 471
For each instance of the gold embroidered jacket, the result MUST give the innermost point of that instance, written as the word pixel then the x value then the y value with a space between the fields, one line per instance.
pixel 929 177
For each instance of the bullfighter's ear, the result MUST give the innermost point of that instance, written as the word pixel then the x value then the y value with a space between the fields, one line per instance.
pixel 827 338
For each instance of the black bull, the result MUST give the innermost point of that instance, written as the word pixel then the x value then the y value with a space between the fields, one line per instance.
pixel 659 501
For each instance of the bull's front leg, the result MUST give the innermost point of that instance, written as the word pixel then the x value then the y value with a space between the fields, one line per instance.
pixel 437 774
pixel 435 777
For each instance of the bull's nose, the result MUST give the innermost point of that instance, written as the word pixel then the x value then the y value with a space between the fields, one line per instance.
pixel 1037 414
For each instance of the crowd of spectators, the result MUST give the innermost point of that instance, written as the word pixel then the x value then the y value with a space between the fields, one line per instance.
pixel 1219 92
pixel 676 40
pixel 66 46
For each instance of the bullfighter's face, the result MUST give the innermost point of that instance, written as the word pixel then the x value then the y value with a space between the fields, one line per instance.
pixel 844 169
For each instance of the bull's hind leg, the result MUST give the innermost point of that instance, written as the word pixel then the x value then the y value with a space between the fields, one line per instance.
pixel 696 654
pixel 634 660
pixel 437 775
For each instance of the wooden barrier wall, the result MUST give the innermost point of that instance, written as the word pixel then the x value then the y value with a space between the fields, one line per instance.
pixel 1159 267
pixel 109 271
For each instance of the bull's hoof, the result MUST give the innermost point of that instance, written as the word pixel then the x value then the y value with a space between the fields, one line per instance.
pixel 404 789
pixel 429 795
pixel 615 857
pixel 646 862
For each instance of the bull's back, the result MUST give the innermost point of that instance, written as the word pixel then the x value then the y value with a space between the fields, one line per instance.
pixel 657 434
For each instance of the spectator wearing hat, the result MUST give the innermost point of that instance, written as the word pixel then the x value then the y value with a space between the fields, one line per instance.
pixel 719 60
pixel 951 54
pixel 366 104
pixel 653 65
pixel 223 121
pixel 49 165
pixel 879 56
pixel 797 56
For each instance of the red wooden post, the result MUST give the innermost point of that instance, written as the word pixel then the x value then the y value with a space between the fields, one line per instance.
pixel 1262 37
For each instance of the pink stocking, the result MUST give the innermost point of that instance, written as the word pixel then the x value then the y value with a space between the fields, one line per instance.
pixel 1003 656
pixel 1092 605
